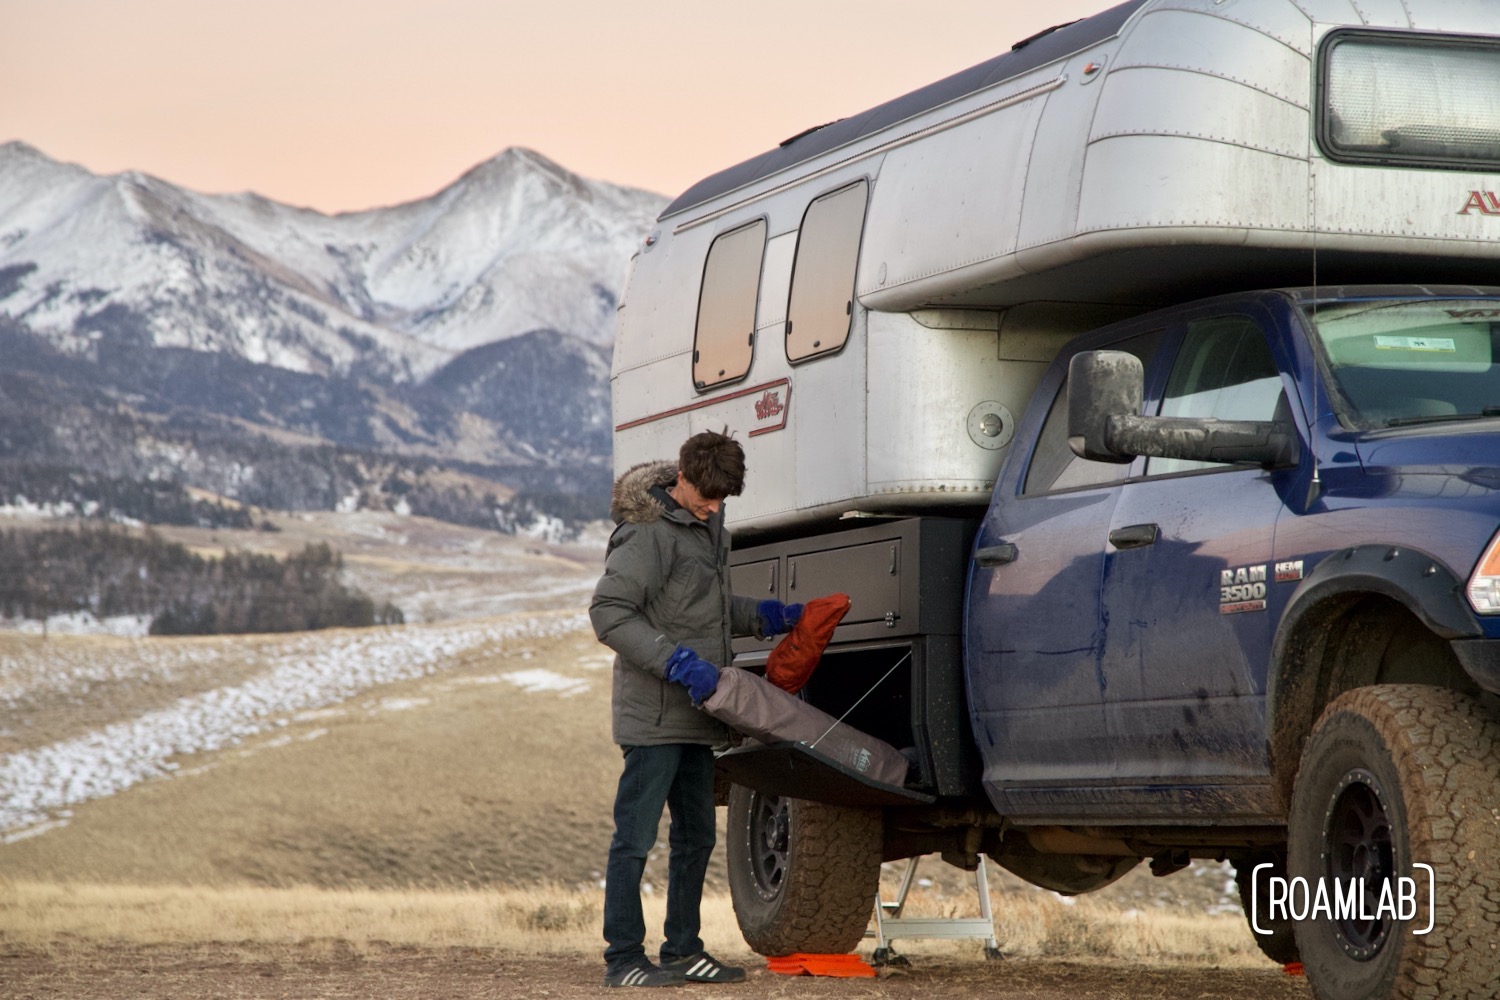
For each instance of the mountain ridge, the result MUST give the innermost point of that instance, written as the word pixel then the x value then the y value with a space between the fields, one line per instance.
pixel 422 280
pixel 469 329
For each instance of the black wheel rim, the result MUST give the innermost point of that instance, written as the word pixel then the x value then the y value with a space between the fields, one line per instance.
pixel 1360 847
pixel 769 824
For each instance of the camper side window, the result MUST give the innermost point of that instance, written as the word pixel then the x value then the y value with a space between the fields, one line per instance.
pixel 724 340
pixel 1409 98
pixel 820 309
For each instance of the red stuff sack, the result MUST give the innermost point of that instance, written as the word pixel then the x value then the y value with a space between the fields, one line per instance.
pixel 791 663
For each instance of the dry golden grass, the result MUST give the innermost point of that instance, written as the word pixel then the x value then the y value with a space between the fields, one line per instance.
pixel 549 920
pixel 527 921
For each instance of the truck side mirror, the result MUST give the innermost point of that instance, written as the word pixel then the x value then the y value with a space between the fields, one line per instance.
pixel 1101 384
pixel 1105 423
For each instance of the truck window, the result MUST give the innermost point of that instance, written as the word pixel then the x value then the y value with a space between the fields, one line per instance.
pixel 1404 361
pixel 1409 99
pixel 1224 370
pixel 724 340
pixel 1053 465
pixel 820 308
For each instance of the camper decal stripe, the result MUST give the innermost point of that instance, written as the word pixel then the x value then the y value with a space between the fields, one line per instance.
pixel 772 405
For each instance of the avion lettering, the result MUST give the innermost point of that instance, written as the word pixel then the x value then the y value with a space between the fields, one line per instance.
pixel 1484 202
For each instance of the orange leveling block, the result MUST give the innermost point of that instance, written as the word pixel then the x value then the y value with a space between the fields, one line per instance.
pixel 800 964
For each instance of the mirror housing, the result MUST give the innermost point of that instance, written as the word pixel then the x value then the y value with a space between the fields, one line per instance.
pixel 1105 390
pixel 1102 385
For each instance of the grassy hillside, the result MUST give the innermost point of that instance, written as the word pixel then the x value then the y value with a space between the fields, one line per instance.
pixel 286 775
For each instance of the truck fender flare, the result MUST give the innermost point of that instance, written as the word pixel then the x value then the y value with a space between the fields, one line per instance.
pixel 1298 678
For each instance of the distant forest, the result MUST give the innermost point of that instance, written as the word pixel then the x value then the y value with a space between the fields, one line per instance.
pixel 114 498
pixel 107 572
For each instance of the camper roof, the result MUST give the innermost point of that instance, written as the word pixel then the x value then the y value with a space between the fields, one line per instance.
pixel 1038 50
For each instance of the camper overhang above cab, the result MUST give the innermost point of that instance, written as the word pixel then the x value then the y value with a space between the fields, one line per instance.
pixel 869 305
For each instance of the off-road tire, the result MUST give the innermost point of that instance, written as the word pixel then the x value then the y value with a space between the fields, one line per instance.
pixel 1403 774
pixel 803 875
pixel 1278 942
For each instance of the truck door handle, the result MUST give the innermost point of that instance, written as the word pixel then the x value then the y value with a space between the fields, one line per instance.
pixel 996 555
pixel 1136 536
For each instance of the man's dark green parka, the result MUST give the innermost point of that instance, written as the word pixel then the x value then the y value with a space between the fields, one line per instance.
pixel 665 582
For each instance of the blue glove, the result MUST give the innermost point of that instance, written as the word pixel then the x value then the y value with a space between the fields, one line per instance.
pixel 700 677
pixel 778 618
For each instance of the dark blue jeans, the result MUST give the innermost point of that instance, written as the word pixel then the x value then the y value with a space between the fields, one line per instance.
pixel 679 776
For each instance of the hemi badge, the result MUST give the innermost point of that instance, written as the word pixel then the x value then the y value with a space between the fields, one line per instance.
pixel 1288 571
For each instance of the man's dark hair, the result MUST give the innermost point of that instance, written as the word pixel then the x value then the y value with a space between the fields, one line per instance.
pixel 714 463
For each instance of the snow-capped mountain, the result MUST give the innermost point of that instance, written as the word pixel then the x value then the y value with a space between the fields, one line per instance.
pixel 430 356
pixel 516 244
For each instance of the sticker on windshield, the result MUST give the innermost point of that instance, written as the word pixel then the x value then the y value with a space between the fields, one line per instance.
pixel 1443 345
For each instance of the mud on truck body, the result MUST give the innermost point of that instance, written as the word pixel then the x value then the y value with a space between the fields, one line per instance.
pixel 1139 385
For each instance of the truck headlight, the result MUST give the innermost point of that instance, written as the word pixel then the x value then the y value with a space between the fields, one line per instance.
pixel 1484 582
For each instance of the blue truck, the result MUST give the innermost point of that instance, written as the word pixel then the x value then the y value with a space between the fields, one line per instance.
pixel 1140 387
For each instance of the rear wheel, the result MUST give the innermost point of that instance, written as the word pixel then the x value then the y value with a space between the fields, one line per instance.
pixel 803 875
pixel 1396 776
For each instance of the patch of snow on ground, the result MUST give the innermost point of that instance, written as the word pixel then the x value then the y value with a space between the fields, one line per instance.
pixel 599 661
pixel 22 507
pixel 402 704
pixel 306 673
pixel 82 623
pixel 539 679
pixel 66 669
pixel 33 831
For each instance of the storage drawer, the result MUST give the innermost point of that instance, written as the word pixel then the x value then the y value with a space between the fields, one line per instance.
pixel 903 577
pixel 870 574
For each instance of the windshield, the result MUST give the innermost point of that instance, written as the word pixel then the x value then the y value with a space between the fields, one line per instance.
pixel 1404 361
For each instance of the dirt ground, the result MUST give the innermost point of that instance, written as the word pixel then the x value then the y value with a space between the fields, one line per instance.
pixel 320 971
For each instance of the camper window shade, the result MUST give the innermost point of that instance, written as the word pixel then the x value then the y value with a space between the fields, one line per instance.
pixel 820 308
pixel 724 341
pixel 1409 99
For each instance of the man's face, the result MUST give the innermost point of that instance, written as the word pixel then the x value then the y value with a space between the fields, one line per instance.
pixel 686 494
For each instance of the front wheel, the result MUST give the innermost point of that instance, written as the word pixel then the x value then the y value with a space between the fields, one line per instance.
pixel 1393 777
pixel 803 875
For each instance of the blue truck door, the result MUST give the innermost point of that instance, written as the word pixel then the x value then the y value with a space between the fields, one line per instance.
pixel 1034 631
pixel 1187 569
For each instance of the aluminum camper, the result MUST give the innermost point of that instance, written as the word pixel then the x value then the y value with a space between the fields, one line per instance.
pixel 870 304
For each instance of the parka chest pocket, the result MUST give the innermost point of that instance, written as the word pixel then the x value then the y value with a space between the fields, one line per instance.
pixel 691 595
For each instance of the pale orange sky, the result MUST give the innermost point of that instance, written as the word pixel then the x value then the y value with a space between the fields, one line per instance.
pixel 340 105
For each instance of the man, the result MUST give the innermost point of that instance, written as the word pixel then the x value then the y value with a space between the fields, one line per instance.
pixel 664 606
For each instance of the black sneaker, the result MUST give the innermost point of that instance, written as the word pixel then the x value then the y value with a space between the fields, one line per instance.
pixel 642 973
pixel 704 968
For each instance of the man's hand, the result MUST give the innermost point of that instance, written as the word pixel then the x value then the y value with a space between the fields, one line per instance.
pixel 700 677
pixel 777 617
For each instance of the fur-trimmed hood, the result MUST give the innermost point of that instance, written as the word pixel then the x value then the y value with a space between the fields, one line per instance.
pixel 631 502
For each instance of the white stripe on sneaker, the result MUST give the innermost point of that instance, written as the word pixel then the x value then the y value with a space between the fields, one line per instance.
pixel 698 967
pixel 634 976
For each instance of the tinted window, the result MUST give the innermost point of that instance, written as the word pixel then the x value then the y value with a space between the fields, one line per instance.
pixel 725 337
pixel 1224 370
pixel 821 307
pixel 1053 464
